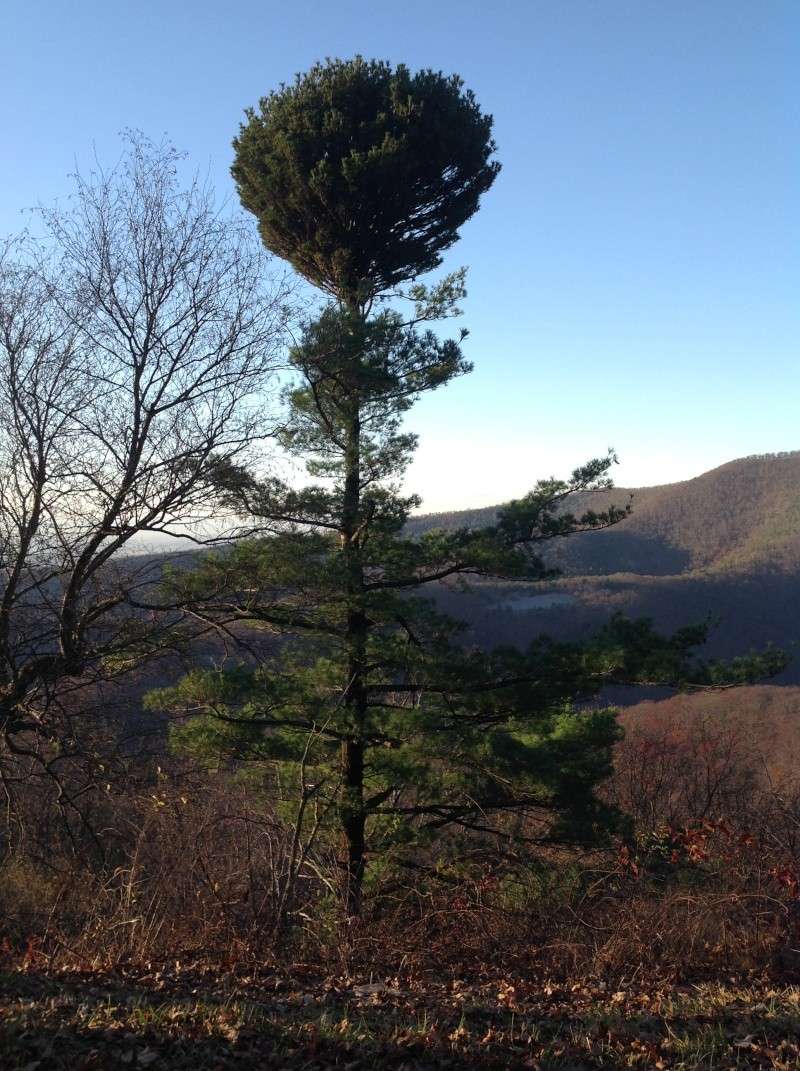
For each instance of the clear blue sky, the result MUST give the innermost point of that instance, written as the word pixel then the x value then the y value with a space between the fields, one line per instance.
pixel 634 273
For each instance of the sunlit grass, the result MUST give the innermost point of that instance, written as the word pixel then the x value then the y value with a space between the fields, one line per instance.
pixel 127 1022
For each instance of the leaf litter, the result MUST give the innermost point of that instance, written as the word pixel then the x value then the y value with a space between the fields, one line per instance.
pixel 193 1017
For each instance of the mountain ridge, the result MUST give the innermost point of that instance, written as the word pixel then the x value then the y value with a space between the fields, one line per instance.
pixel 741 515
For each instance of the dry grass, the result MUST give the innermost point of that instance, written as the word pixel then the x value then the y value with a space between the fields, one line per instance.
pixel 182 937
pixel 183 1018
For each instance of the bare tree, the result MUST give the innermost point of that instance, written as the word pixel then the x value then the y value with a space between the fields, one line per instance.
pixel 137 344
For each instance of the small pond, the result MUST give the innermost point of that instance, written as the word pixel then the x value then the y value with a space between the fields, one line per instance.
pixel 546 601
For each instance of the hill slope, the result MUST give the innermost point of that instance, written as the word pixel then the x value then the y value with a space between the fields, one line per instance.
pixel 724 546
pixel 743 516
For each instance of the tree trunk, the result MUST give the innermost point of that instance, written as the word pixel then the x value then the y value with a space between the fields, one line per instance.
pixel 353 823
pixel 352 814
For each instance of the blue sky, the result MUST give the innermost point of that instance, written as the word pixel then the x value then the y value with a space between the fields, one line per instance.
pixel 634 272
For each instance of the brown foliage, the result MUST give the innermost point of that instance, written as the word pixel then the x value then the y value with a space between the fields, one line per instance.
pixel 181 862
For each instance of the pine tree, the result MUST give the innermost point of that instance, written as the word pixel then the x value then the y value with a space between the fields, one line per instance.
pixel 360 175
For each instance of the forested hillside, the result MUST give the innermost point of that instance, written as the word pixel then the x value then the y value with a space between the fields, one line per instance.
pixel 724 547
pixel 743 516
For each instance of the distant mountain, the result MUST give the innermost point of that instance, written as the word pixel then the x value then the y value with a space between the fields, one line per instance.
pixel 740 517
pixel 724 546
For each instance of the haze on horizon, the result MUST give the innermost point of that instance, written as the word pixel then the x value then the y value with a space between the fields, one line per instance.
pixel 634 272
